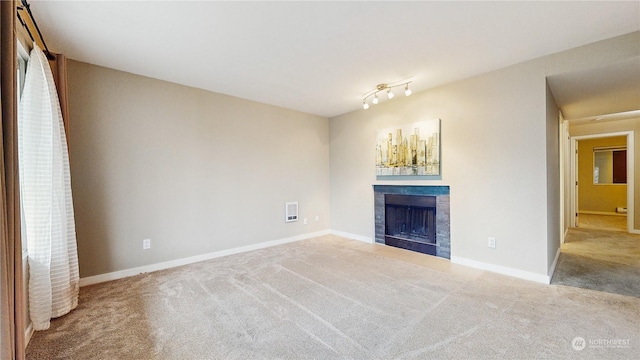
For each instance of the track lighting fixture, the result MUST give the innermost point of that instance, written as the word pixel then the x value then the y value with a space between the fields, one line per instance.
pixel 382 87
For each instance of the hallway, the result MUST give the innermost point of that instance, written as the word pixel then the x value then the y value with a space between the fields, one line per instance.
pixel 602 260
pixel 602 222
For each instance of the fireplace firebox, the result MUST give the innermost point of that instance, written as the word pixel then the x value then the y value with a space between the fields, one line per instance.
pixel 414 217
pixel 410 222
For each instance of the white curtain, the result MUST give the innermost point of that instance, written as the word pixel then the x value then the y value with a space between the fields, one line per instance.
pixel 45 184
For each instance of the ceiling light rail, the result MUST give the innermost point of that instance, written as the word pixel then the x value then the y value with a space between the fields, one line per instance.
pixel 383 87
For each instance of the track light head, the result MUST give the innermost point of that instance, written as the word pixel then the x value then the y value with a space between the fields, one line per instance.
pixel 375 99
pixel 407 91
pixel 365 105
pixel 390 94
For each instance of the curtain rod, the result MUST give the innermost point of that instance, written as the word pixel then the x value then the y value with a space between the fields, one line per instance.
pixel 26 6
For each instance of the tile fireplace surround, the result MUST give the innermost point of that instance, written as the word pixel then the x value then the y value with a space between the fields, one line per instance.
pixel 441 193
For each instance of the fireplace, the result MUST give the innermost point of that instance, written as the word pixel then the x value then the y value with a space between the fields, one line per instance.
pixel 413 217
pixel 410 222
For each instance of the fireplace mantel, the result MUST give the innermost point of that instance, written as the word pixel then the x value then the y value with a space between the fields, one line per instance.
pixel 441 193
pixel 432 190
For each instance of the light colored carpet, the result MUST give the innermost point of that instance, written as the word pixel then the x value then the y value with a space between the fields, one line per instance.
pixel 602 222
pixel 332 298
pixel 600 260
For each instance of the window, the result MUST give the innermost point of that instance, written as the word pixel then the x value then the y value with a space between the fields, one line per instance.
pixel 610 165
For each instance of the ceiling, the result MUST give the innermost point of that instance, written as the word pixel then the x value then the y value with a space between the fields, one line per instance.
pixel 321 57
pixel 600 92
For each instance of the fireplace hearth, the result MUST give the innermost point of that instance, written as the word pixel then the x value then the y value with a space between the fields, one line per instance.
pixel 414 218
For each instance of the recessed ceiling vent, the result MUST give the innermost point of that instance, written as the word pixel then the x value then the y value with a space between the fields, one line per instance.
pixel 291 211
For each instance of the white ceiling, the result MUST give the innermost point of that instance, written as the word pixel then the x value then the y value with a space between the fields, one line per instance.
pixel 591 93
pixel 320 57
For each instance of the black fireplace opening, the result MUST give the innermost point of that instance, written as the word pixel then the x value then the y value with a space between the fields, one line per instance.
pixel 410 222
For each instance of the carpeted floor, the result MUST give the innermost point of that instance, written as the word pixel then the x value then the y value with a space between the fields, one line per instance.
pixel 600 260
pixel 332 298
pixel 602 222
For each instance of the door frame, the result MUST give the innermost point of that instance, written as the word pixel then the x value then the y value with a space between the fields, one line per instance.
pixel 574 182
pixel 630 175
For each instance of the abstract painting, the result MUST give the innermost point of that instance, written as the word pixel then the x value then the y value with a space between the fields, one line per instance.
pixel 412 149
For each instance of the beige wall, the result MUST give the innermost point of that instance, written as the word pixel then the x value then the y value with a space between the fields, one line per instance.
pixel 498 144
pixel 194 171
pixel 199 172
pixel 632 125
pixel 602 197
pixel 493 158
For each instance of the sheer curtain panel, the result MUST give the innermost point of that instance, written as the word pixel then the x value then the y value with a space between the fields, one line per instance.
pixel 45 182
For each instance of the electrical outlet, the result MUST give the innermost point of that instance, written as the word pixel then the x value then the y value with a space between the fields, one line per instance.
pixel 492 242
pixel 146 244
pixel 317 217
pixel 304 221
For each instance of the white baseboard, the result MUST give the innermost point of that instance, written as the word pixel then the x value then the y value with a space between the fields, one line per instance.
pixel 526 275
pixel 545 279
pixel 635 231
pixel 552 268
pixel 28 333
pixel 352 236
pixel 609 213
pixel 193 259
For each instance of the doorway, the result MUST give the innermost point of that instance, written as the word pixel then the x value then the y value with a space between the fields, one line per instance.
pixel 600 250
pixel 598 259
pixel 607 200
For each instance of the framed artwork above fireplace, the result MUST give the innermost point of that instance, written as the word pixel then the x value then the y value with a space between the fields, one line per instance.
pixel 412 149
